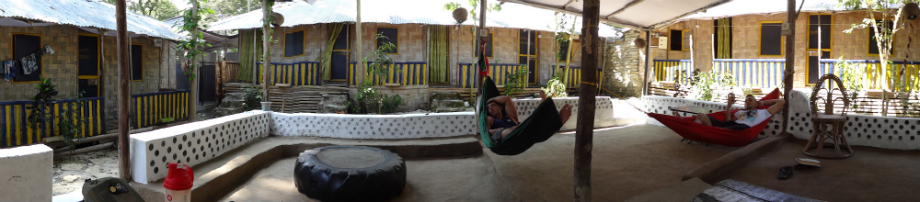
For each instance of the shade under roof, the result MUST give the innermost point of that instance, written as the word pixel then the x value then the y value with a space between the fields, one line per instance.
pixel 634 13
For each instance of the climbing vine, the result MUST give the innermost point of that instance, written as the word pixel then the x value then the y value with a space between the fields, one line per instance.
pixel 192 44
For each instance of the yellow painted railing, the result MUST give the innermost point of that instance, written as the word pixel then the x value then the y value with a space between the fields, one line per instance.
pixel 151 109
pixel 15 130
pixel 296 74
pixel 764 73
pixel 496 71
pixel 575 77
pixel 667 70
pixel 413 73
pixel 875 74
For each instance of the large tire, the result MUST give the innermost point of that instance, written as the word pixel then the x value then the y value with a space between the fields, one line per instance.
pixel 350 173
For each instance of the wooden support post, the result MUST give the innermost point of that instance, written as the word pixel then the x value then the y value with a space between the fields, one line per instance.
pixel 359 53
pixel 479 37
pixel 584 130
pixel 124 169
pixel 790 61
pixel 266 46
pixel 648 65
pixel 101 82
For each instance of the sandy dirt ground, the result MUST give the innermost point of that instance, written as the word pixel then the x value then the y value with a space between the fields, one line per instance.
pixel 627 162
pixel 71 171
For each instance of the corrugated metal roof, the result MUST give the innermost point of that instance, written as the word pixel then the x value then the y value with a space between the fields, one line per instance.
pixel 744 7
pixel 84 13
pixel 397 12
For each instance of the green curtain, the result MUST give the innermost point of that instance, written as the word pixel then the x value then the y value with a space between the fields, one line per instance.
pixel 246 52
pixel 325 59
pixel 438 60
pixel 724 45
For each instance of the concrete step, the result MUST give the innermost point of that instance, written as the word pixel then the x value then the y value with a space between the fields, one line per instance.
pixel 218 177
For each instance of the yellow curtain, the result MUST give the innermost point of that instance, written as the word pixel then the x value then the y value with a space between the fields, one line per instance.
pixel 438 61
pixel 325 59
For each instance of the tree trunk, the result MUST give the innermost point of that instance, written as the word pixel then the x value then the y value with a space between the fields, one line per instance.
pixel 568 53
pixel 193 84
pixel 266 51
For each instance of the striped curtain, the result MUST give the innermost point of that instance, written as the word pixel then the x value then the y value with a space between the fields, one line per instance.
pixel 325 59
pixel 246 53
pixel 724 43
pixel 438 60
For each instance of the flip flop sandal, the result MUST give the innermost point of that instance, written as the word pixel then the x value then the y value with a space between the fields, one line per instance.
pixel 785 173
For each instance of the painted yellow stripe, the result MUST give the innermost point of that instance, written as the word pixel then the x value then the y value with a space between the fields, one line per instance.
pixel 9 125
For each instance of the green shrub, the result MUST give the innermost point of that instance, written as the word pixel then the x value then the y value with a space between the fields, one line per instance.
pixel 516 81
pixel 252 97
pixel 555 88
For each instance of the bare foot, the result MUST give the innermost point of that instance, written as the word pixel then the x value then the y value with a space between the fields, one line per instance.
pixel 565 113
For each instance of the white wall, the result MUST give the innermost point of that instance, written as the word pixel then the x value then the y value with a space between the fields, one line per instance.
pixel 26 173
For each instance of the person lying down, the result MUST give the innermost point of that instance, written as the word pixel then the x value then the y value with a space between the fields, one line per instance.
pixel 743 119
pixel 503 115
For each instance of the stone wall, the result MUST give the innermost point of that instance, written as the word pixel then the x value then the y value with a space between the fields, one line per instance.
pixel 624 67
pixel 26 173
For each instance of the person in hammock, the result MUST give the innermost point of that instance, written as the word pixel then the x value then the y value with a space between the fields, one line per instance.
pixel 743 119
pixel 503 116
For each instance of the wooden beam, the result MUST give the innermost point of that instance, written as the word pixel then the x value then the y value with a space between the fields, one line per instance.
pixel 630 4
pixel 193 83
pixel 479 38
pixel 124 92
pixel 566 6
pixel 584 131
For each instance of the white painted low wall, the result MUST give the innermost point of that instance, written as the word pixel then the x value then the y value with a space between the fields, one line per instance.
pixel 874 131
pixel 412 126
pixel 26 173
pixel 193 143
pixel 409 126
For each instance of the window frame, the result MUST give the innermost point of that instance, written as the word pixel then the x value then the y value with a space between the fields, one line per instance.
pixel 377 43
pixel 348 46
pixel 869 43
pixel 685 36
pixel 830 42
pixel 671 37
pixel 132 62
pixel 41 71
pixel 303 43
pixel 782 40
pixel 536 43
pixel 98 57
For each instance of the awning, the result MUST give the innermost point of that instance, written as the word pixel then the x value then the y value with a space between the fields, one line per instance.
pixel 645 14
pixel 81 13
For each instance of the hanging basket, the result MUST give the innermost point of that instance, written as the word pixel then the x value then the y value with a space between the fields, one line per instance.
pixel 639 42
pixel 460 15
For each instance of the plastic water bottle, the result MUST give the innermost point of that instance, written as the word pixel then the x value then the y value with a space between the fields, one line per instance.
pixel 178 183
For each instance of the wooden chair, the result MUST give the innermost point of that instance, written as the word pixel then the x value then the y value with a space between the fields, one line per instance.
pixel 821 121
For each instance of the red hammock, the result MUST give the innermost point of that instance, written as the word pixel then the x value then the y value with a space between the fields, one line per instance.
pixel 684 126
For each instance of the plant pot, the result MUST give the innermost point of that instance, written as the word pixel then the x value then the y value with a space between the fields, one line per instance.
pixel 266 106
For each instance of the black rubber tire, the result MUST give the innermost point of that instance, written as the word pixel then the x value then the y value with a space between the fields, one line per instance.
pixel 364 174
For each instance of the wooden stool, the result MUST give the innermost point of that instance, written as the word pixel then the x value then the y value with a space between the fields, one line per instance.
pixel 821 121
pixel 817 140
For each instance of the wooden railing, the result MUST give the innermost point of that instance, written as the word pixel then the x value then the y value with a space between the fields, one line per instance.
pixel 667 70
pixel 152 108
pixel 296 74
pixel 15 130
pixel 575 76
pixel 413 73
pixel 763 73
pixel 875 74
pixel 497 71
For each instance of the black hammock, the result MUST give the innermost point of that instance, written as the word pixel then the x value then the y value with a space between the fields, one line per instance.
pixel 538 127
